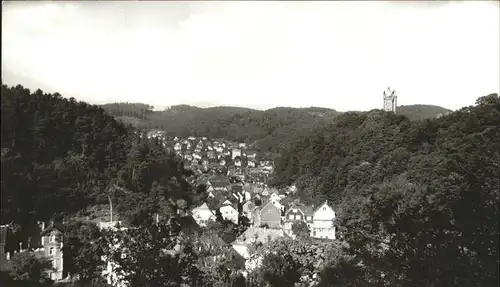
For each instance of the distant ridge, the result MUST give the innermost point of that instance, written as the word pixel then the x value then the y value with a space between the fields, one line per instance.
pixel 269 130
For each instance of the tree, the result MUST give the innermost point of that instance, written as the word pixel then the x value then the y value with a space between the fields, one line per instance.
pixel 276 270
pixel 301 230
pixel 83 249
pixel 154 256
pixel 31 269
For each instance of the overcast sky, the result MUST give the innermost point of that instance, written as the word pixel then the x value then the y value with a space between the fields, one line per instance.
pixel 340 55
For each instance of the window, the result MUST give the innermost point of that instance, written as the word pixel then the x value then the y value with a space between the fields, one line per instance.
pixel 269 211
pixel 324 208
pixel 297 217
pixel 290 216
pixel 52 239
pixel 52 251
pixel 309 218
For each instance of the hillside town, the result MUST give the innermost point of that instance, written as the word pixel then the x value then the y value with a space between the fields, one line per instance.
pixel 235 182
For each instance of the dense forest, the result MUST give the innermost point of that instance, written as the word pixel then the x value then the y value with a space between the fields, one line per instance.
pixel 418 200
pixel 270 130
pixel 60 157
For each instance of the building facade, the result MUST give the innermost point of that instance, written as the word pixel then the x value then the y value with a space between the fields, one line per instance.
pixel 323 222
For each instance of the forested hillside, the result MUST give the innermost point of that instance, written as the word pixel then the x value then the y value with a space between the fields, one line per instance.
pixel 421 112
pixel 271 130
pixel 61 157
pixel 417 200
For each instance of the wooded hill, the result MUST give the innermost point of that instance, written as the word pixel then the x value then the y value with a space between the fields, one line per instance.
pixel 271 129
pixel 61 157
pixel 416 200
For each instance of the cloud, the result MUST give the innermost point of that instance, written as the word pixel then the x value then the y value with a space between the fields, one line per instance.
pixel 257 54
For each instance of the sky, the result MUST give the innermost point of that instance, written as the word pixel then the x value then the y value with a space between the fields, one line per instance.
pixel 340 55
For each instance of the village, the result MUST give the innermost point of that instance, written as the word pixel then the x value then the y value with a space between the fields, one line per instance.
pixel 235 181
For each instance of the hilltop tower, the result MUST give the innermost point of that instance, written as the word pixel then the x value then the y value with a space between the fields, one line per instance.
pixel 390 100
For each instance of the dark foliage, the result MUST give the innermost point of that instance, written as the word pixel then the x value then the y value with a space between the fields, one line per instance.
pixel 418 201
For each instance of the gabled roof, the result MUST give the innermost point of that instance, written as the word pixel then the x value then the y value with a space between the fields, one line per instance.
pixel 321 205
pixel 187 224
pixel 52 226
pixel 219 181
pixel 294 207
pixel 307 210
pixel 230 202
pixel 265 204
pixel 204 206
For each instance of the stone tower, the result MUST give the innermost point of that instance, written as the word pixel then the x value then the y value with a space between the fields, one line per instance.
pixel 390 100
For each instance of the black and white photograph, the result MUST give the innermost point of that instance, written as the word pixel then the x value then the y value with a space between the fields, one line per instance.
pixel 250 144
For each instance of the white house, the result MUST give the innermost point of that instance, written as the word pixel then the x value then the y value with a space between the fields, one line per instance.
pixel 178 146
pixel 323 218
pixel 235 152
pixel 229 212
pixel 202 214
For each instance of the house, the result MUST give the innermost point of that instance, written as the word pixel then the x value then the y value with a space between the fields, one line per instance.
pixel 219 149
pixel 237 162
pixel 296 214
pixel 222 162
pixel 205 162
pixel 267 214
pixel 235 152
pixel 200 145
pixel 251 155
pixel 323 218
pixel 229 211
pixel 219 183
pixel 178 146
pixel 52 247
pixel 242 145
pixel 176 139
pixel 251 163
pixel 202 214
pixel 197 155
pixel 211 154
pixel 191 138
pixel 247 210
pixel 274 197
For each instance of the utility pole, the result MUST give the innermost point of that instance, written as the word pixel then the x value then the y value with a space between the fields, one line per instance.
pixel 114 187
